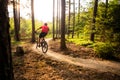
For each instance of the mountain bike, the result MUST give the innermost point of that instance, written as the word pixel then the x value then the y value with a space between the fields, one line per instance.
pixel 43 44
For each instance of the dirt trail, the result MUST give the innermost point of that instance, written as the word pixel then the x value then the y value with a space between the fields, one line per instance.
pixel 104 66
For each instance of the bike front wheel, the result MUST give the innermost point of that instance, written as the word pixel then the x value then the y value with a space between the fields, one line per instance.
pixel 44 47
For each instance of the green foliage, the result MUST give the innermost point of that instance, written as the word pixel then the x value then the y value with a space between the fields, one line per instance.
pixel 26 27
pixel 115 21
pixel 87 29
pixel 107 29
pixel 103 50
pixel 81 42
pixel 108 21
pixel 86 43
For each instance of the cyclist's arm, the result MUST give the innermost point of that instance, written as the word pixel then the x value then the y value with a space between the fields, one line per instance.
pixel 39 28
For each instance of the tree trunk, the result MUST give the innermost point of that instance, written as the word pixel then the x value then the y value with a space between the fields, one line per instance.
pixel 69 17
pixel 17 5
pixel 78 11
pixel 78 17
pixel 63 44
pixel 33 21
pixel 73 18
pixel 6 69
pixel 16 21
pixel 57 21
pixel 18 15
pixel 93 21
pixel 53 19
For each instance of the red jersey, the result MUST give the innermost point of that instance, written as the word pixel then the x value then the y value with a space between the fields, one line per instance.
pixel 45 29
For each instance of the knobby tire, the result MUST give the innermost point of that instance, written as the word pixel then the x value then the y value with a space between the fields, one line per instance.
pixel 44 47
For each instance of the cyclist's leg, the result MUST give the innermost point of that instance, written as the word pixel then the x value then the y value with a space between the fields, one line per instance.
pixel 44 34
pixel 41 36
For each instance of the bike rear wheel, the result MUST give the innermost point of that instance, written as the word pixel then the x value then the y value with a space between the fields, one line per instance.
pixel 44 47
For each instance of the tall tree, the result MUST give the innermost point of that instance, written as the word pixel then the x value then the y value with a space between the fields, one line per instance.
pixel 6 69
pixel 18 15
pixel 16 21
pixel 73 18
pixel 57 19
pixel 69 17
pixel 33 21
pixel 63 44
pixel 78 11
pixel 78 16
pixel 53 19
pixel 94 20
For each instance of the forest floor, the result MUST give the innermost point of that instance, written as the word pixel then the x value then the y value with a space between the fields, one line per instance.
pixel 76 63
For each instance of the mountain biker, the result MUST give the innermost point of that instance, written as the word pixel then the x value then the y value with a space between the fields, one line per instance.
pixel 44 31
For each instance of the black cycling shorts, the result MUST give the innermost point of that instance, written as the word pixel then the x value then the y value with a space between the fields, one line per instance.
pixel 42 34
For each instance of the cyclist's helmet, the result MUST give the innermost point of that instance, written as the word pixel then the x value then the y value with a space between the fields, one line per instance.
pixel 45 24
